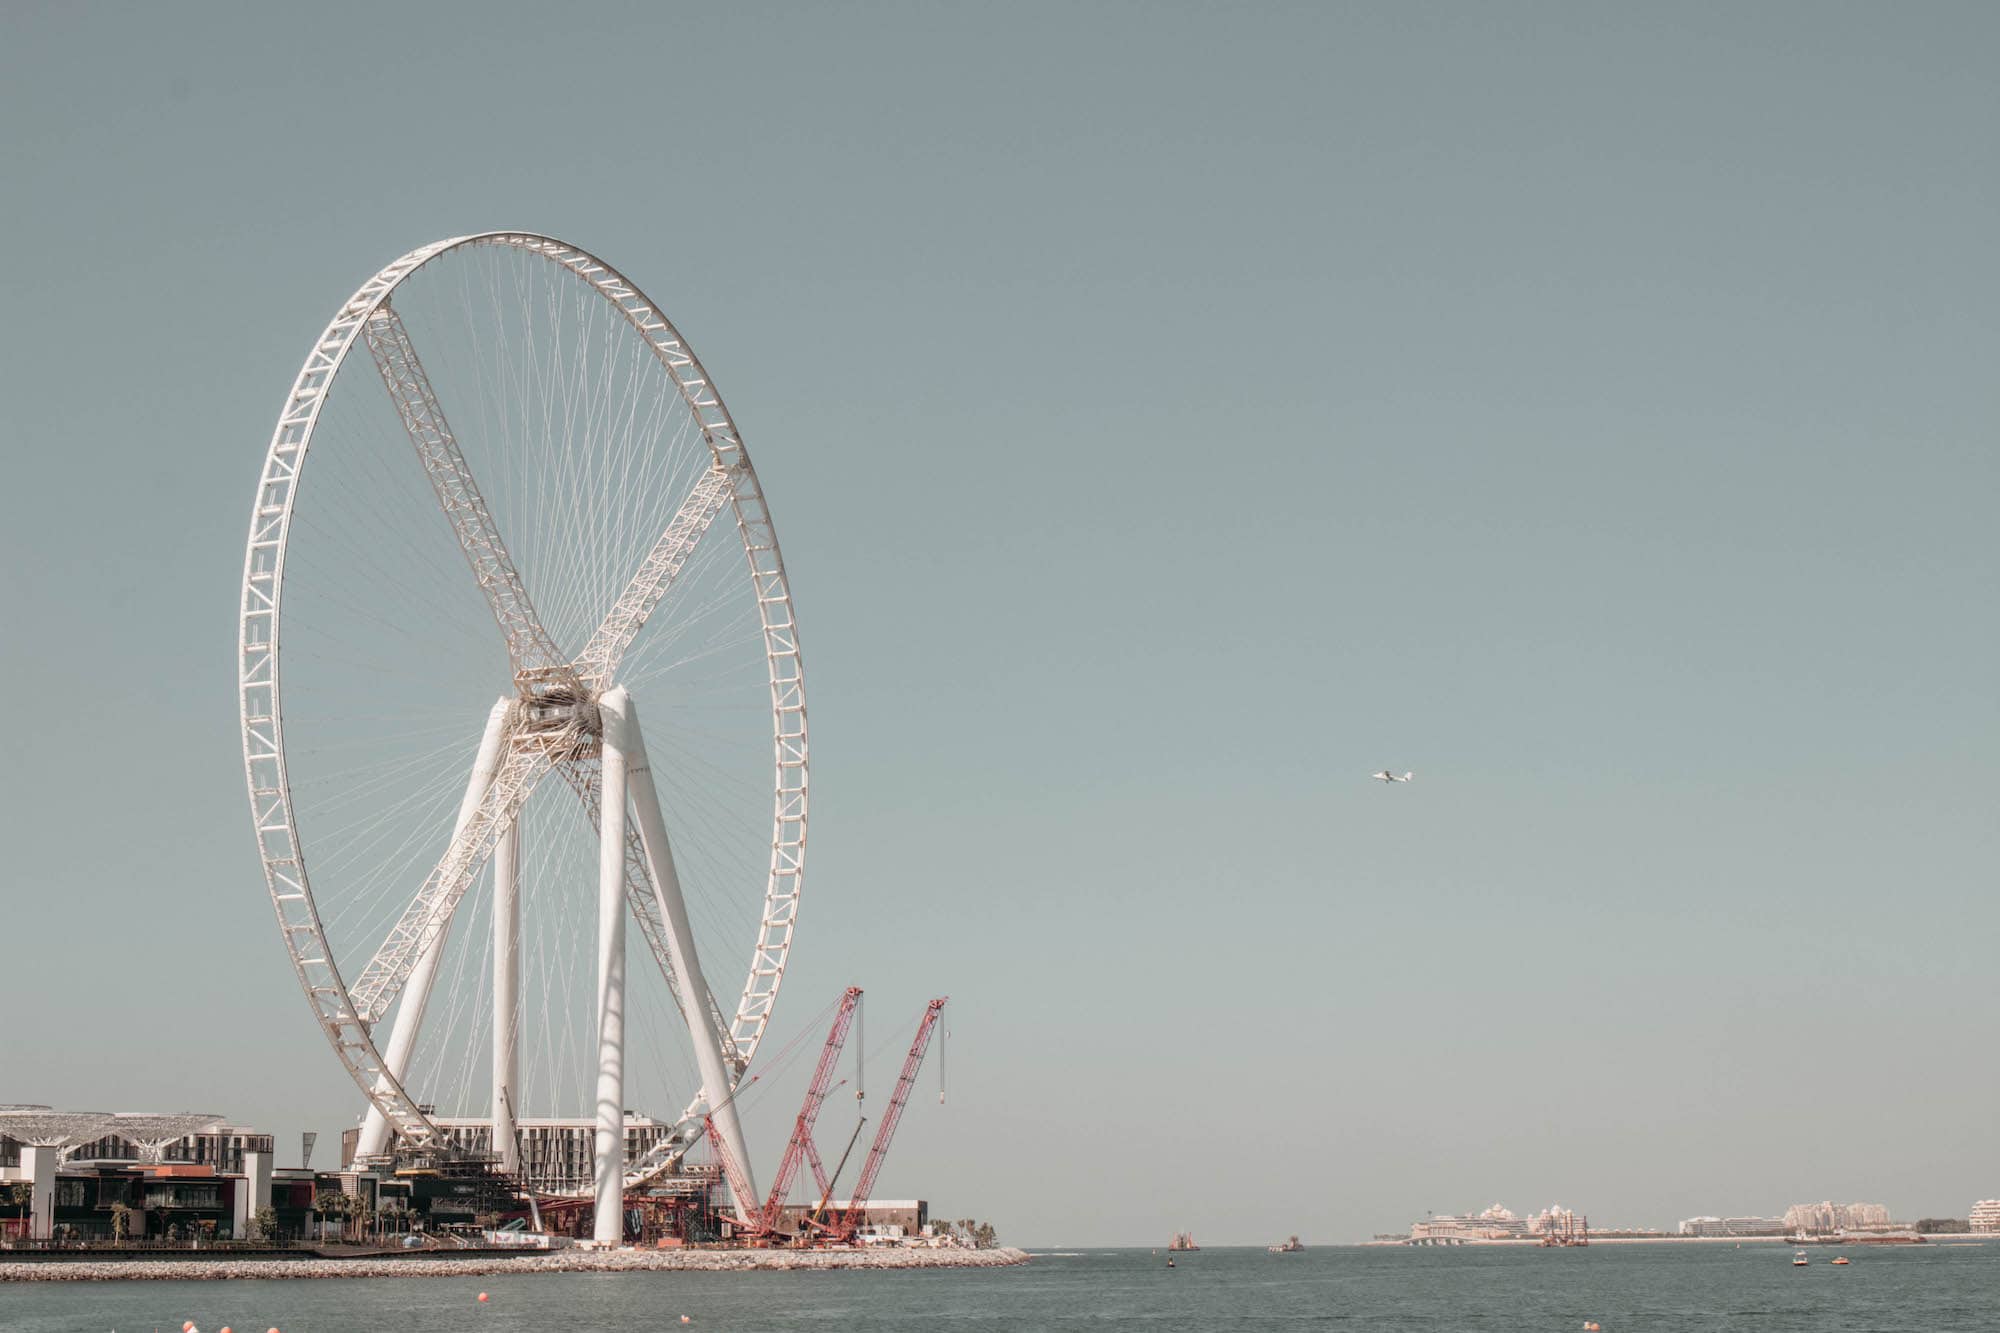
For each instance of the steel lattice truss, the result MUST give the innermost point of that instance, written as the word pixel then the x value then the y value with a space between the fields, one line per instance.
pixel 552 724
pixel 42 1128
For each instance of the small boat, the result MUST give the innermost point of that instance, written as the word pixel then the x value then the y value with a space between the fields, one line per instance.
pixel 1799 1260
pixel 1183 1240
pixel 1170 1261
pixel 1841 1260
pixel 1291 1246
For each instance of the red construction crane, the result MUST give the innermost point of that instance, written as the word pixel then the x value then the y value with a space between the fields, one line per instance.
pixel 844 1227
pixel 752 1217
pixel 802 1144
pixel 747 1212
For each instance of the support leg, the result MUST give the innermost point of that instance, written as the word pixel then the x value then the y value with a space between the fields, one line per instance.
pixel 417 992
pixel 716 1083
pixel 609 1225
pixel 39 1166
pixel 506 995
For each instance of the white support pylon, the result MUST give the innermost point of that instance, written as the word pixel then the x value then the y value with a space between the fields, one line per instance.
pixel 717 1088
pixel 506 995
pixel 608 1227
pixel 417 992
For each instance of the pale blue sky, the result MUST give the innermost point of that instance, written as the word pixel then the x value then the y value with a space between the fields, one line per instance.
pixel 1171 415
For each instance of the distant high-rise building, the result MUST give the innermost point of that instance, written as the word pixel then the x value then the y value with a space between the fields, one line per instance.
pixel 1986 1215
pixel 1817 1218
pixel 1556 1220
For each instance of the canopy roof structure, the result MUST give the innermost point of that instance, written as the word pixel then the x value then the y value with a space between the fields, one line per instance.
pixel 42 1127
pixel 152 1134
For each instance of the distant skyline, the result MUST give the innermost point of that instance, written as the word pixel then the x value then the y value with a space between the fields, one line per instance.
pixel 1172 415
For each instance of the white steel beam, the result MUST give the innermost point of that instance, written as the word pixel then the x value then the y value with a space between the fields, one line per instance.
pixel 528 644
pixel 506 995
pixel 657 572
pixel 608 1226
pixel 586 780
pixel 528 758
pixel 718 1083
pixel 417 994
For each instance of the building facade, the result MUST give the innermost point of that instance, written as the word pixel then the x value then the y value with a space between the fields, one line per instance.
pixel 1985 1217
pixel 555 1153
pixel 220 1146
pixel 1807 1219
pixel 1732 1226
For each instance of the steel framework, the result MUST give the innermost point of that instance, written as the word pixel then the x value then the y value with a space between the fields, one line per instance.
pixel 566 715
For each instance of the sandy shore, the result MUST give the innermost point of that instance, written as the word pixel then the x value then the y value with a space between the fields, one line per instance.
pixel 562 1261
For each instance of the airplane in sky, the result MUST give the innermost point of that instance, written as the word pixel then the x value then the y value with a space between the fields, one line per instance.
pixel 1386 776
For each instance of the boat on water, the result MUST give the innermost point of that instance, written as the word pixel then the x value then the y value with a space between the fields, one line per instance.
pixel 1799 1259
pixel 1291 1246
pixel 1840 1259
pixel 1183 1240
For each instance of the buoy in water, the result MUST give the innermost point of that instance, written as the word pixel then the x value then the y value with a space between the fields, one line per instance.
pixel 482 1295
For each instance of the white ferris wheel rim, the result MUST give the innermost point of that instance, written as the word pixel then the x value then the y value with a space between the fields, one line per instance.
pixel 260 693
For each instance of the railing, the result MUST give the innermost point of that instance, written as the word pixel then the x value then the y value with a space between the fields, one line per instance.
pixel 79 1245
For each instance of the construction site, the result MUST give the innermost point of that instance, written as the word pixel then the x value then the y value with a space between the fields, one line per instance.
pixel 700 1196
pixel 86 1178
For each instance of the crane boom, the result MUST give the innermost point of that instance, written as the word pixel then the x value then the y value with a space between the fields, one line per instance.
pixel 802 1144
pixel 826 1189
pixel 820 1182
pixel 887 1129
pixel 747 1212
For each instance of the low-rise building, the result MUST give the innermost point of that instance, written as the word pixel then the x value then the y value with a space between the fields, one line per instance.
pixel 907 1217
pixel 1737 1227
pixel 556 1153
pixel 135 1176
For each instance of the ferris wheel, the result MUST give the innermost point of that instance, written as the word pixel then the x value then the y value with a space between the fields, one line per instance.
pixel 475 547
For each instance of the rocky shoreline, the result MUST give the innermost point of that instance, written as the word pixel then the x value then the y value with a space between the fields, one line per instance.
pixel 561 1261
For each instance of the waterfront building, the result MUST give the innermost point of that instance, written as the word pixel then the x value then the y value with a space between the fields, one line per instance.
pixel 89 1174
pixel 220 1145
pixel 1732 1226
pixel 908 1217
pixel 1496 1223
pixel 1822 1218
pixel 1557 1220
pixel 556 1154
pixel 1985 1216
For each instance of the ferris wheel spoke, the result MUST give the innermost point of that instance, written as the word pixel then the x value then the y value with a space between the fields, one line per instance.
pixel 529 646
pixel 662 565
pixel 425 920
pixel 587 781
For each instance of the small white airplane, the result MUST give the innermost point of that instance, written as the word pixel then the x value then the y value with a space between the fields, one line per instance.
pixel 1386 776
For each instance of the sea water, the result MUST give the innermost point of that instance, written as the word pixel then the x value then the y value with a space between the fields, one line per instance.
pixel 1692 1288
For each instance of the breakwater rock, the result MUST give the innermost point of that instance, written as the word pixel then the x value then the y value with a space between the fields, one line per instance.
pixel 561 1261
